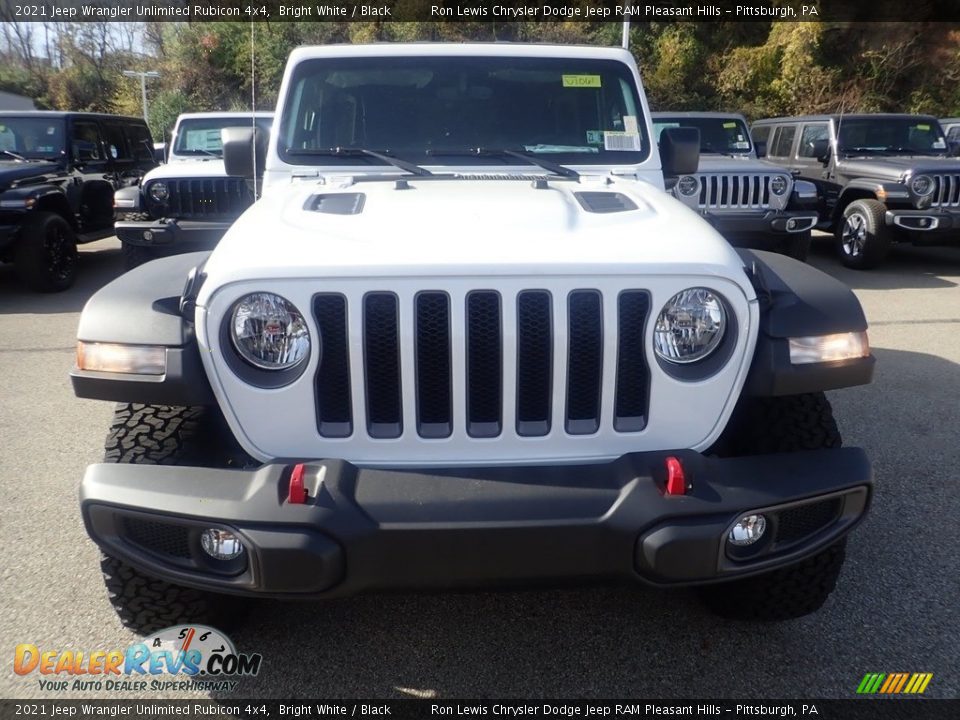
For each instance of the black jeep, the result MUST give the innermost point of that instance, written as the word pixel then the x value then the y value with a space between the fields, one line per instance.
pixel 882 178
pixel 58 174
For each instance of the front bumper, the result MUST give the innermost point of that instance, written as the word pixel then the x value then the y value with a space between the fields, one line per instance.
pixel 166 232
pixel 934 221
pixel 363 529
pixel 771 222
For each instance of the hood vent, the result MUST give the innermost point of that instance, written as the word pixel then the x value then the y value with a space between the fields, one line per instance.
pixel 605 202
pixel 499 176
pixel 336 203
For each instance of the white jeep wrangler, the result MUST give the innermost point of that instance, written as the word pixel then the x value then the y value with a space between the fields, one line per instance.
pixel 466 338
pixel 189 202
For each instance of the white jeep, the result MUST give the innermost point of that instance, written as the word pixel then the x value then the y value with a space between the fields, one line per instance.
pixel 189 202
pixel 466 338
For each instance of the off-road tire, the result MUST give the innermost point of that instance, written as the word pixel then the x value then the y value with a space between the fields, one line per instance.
pixel 46 253
pixel 784 594
pixel 167 435
pixel 866 218
pixel 797 245
pixel 784 424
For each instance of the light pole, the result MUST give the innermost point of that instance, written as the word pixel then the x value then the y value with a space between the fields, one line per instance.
pixel 143 85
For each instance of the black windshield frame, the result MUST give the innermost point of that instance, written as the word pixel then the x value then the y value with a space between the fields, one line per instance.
pixel 490 98
pixel 890 136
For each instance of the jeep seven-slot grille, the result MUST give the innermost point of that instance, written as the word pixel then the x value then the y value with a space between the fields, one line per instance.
pixel 205 197
pixel 946 191
pixel 734 192
pixel 476 329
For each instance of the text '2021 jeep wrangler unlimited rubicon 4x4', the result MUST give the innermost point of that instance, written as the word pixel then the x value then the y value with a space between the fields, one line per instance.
pixel 189 202
pixel 751 203
pixel 58 175
pixel 465 337
pixel 881 178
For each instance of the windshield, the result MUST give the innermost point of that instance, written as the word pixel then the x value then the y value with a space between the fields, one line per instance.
pixel 430 110
pixel 915 136
pixel 725 135
pixel 31 137
pixel 201 136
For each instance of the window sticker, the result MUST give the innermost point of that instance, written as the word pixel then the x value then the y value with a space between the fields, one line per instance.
pixel 741 145
pixel 621 141
pixel 594 137
pixel 923 127
pixel 630 124
pixel 730 125
pixel 939 145
pixel 581 81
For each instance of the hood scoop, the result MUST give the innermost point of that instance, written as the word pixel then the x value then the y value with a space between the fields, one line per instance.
pixel 605 202
pixel 336 203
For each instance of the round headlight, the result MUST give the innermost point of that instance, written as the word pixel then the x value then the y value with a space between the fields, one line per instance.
pixel 690 326
pixel 778 185
pixel 159 192
pixel 922 185
pixel 269 332
pixel 688 185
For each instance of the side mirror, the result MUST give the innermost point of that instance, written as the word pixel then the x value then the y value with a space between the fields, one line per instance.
pixel 679 151
pixel 821 150
pixel 761 148
pixel 244 151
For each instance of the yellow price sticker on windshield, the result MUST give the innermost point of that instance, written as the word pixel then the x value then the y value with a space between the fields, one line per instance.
pixel 730 125
pixel 583 81
pixel 923 127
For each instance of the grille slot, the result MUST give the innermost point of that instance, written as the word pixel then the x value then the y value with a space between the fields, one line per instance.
pixel 630 406
pixel 161 538
pixel 734 192
pixel 946 191
pixel 334 410
pixel 798 523
pixel 584 362
pixel 534 362
pixel 204 197
pixel 381 346
pixel 484 362
pixel 434 412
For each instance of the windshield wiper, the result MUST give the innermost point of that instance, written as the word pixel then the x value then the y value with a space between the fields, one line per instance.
pixel 909 150
pixel 13 155
pixel 553 167
pixel 363 152
pixel 198 151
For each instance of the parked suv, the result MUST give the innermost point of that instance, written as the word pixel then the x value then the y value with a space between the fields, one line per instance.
pixel 464 338
pixel 951 128
pixel 752 203
pixel 58 175
pixel 189 202
pixel 882 178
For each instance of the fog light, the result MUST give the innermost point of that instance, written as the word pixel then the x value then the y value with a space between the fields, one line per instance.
pixel 221 544
pixel 791 224
pixel 747 530
pixel 148 235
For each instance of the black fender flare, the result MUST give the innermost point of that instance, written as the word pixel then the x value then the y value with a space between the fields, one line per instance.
pixel 797 300
pixel 143 307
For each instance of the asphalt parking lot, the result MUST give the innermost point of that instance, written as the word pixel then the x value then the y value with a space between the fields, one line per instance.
pixel 896 609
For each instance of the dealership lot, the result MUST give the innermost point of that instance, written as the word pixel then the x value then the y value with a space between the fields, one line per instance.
pixel 895 611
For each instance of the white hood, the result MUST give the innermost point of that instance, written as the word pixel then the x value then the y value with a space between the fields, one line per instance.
pixel 468 227
pixel 195 168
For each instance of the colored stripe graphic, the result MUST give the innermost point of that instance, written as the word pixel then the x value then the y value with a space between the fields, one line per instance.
pixel 894 683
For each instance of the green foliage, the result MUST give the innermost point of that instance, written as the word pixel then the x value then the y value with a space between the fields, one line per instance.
pixel 759 68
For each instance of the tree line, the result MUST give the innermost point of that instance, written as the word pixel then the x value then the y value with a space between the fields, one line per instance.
pixel 760 69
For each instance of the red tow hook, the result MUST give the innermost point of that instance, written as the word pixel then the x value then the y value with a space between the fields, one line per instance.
pixel 676 480
pixel 297 494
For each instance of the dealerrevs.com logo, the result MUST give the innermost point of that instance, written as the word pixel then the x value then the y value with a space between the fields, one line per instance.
pixel 182 657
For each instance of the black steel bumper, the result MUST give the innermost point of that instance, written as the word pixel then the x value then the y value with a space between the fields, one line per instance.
pixel 772 222
pixel 166 232
pixel 364 529
pixel 933 221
